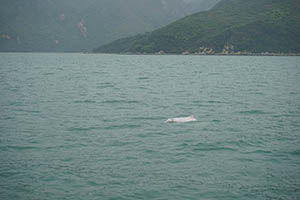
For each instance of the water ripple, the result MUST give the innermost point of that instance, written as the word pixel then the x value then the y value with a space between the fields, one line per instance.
pixel 90 126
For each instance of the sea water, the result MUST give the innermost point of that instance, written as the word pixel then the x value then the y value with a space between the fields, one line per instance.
pixel 91 126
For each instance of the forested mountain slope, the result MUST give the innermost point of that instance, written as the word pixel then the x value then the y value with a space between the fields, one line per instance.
pixel 231 26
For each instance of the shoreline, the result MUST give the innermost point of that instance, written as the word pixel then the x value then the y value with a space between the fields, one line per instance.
pixel 164 54
pixel 200 54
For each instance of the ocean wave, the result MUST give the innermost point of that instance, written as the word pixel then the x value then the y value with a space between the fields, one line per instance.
pixel 85 101
pixel 120 102
pixel 122 126
pixel 253 112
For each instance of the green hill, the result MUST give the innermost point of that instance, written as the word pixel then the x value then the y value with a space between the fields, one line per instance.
pixel 231 26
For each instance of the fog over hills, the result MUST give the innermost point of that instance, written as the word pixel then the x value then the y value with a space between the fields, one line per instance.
pixel 81 25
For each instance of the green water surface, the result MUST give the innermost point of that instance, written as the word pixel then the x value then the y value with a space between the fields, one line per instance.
pixel 88 126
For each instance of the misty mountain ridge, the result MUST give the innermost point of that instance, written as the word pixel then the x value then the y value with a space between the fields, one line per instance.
pixel 77 25
pixel 230 27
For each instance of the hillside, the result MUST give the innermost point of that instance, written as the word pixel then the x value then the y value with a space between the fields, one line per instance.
pixel 231 26
pixel 81 25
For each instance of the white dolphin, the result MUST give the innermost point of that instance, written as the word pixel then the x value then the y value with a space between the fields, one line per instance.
pixel 181 119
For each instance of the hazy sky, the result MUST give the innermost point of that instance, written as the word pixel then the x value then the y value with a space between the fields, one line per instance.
pixel 76 25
